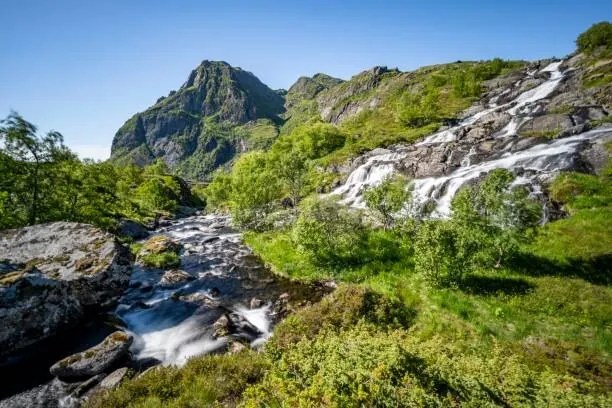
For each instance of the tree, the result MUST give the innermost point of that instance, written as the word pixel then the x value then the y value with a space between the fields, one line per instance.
pixel 497 215
pixel 597 36
pixel 443 252
pixel 254 190
pixel 387 199
pixel 330 234
pixel 29 157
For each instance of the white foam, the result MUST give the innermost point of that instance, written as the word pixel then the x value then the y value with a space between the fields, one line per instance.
pixel 541 158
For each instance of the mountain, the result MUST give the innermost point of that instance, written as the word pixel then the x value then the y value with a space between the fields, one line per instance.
pixel 200 126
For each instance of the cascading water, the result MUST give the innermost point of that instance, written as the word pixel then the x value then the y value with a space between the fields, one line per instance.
pixel 173 322
pixel 534 163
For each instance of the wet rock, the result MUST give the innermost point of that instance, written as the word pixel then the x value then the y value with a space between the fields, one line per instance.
pixel 236 347
pixel 132 229
pixel 114 379
pixel 52 275
pixel 596 155
pixel 256 303
pixel 159 244
pixel 95 360
pixel 546 123
pixel 222 326
pixel 174 277
pixel 85 386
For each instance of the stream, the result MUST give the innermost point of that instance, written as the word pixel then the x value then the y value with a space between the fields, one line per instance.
pixel 172 314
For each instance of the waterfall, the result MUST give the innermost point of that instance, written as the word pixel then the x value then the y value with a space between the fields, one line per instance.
pixel 540 161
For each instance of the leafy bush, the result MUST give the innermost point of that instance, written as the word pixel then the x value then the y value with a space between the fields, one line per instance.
pixel 496 216
pixel 212 380
pixel 443 253
pixel 162 260
pixel 329 233
pixel 387 199
pixel 597 36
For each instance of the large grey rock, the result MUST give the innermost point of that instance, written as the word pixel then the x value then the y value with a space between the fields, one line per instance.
pixel 132 229
pixel 51 275
pixel 547 123
pixel 94 360
pixel 114 379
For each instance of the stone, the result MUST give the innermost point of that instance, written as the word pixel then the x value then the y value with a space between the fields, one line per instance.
pixel 132 229
pixel 546 123
pixel 222 326
pixel 256 303
pixel 114 379
pixel 94 360
pixel 174 277
pixel 158 244
pixel 53 274
pixel 236 347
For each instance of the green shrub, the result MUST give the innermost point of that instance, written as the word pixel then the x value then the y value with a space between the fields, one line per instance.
pixel 162 260
pixel 387 199
pixel 212 380
pixel 442 253
pixel 340 310
pixel 330 234
pixel 597 36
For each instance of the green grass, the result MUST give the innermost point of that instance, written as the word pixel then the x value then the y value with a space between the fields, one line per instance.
pixel 163 260
pixel 206 381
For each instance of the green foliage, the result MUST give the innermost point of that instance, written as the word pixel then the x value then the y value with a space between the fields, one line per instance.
pixel 253 190
pixel 597 37
pixel 162 260
pixel 42 181
pixel 496 216
pixel 578 191
pixel 329 233
pixel 213 380
pixel 387 199
pixel 443 253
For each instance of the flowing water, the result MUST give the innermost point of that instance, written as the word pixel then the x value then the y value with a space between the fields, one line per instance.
pixel 173 320
pixel 534 164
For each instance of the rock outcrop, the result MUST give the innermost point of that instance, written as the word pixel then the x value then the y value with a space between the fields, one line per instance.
pixel 175 127
pixel 94 360
pixel 52 276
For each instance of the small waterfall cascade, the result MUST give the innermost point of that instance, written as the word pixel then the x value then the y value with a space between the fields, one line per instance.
pixel 534 163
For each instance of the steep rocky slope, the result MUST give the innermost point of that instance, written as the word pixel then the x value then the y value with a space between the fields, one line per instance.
pixel 199 121
pixel 536 121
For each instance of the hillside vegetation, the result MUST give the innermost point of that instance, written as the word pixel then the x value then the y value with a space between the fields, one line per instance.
pixel 486 308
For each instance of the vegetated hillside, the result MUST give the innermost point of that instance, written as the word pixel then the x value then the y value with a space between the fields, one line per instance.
pixel 222 111
pixel 203 124
pixel 484 308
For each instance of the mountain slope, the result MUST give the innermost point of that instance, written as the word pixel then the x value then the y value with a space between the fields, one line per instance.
pixel 201 121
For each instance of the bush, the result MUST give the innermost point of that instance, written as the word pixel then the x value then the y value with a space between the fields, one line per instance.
pixel 162 260
pixel 597 36
pixel 204 381
pixel 442 253
pixel 329 233
pixel 387 199
pixel 340 310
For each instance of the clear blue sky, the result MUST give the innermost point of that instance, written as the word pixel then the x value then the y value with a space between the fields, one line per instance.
pixel 84 67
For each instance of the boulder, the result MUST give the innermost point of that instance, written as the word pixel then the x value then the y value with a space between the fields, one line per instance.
pixel 132 229
pixel 174 277
pixel 94 360
pixel 546 124
pixel 52 276
pixel 114 379
pixel 158 244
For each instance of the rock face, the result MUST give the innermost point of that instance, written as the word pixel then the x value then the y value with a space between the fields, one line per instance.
pixel 535 122
pixel 95 360
pixel 52 275
pixel 174 128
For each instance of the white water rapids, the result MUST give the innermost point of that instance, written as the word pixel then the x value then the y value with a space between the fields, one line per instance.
pixel 535 164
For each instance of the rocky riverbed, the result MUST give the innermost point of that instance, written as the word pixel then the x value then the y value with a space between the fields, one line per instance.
pixel 219 299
